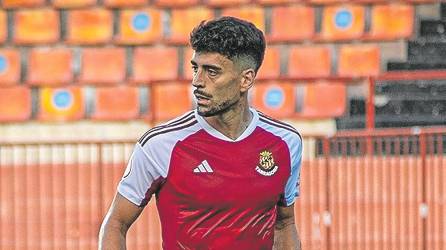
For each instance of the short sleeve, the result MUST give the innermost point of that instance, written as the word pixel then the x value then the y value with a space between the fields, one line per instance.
pixel 141 177
pixel 292 188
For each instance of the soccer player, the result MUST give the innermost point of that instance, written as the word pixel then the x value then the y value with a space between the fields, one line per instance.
pixel 225 176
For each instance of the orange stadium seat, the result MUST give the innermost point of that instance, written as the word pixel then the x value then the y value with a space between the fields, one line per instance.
pixel 103 65
pixel 155 64
pixel 15 104
pixel 3 26
pixel 9 66
pixel 116 103
pixel 359 60
pixel 187 66
pixel 22 3
pixel 271 2
pixel 36 26
pixel 392 21
pixel 309 61
pixel 299 24
pixel 89 26
pixel 276 99
pixel 124 3
pixel 140 26
pixel 169 100
pixel 252 13
pixel 50 66
pixel 61 104
pixel 322 2
pixel 342 22
pixel 321 100
pixel 67 4
pixel 271 64
pixel 175 3
pixel 220 3
pixel 184 20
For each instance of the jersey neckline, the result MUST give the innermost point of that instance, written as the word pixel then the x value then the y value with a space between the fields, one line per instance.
pixel 215 133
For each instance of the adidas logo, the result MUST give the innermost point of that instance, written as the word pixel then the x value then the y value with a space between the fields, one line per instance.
pixel 203 168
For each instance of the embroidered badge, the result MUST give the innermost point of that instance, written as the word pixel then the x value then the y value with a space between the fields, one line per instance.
pixel 266 165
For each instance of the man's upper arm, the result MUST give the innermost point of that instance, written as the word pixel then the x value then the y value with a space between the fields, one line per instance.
pixel 285 216
pixel 123 212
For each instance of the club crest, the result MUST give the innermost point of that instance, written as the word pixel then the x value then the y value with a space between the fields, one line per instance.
pixel 266 165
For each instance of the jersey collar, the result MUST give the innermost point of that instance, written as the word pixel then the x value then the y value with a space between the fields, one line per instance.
pixel 212 131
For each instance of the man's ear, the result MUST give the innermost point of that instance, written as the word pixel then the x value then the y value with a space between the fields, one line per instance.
pixel 248 77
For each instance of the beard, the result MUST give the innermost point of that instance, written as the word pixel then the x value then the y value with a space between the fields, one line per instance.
pixel 216 110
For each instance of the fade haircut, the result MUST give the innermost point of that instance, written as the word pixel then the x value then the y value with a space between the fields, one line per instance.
pixel 240 41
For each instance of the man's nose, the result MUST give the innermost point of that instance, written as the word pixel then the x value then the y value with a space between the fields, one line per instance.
pixel 197 79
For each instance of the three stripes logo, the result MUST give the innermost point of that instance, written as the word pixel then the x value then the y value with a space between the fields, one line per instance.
pixel 204 167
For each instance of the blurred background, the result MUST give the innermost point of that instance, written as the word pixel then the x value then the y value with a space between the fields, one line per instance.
pixel 363 80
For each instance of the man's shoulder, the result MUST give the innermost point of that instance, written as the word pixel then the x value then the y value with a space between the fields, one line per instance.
pixel 278 127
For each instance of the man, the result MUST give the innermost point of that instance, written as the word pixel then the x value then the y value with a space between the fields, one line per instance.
pixel 225 176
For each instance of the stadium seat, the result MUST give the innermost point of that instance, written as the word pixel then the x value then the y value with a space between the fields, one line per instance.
pixel 15 104
pixel 61 104
pixel 324 2
pixel 321 100
pixel 187 66
pixel 175 3
pixel 139 26
pixel 89 26
pixel 298 25
pixel 271 64
pixel 36 26
pixel 342 22
pixel 155 64
pixel 22 3
pixel 252 13
pixel 221 3
pixel 393 21
pixel 124 3
pixel 168 100
pixel 359 60
pixel 309 61
pixel 272 2
pixel 184 20
pixel 116 103
pixel 276 99
pixel 67 4
pixel 103 65
pixel 3 26
pixel 9 66
pixel 49 66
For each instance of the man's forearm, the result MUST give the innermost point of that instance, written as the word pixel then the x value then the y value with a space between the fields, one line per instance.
pixel 112 237
pixel 286 237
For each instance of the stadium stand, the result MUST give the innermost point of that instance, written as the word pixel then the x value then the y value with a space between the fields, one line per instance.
pixel 22 3
pixel 3 26
pixel 61 104
pixel 36 26
pixel 155 64
pixel 342 22
pixel 274 98
pixel 15 104
pixel 299 25
pixel 68 4
pixel 309 61
pixel 169 100
pixel 391 22
pixel 252 13
pixel 10 67
pixel 140 26
pixel 175 3
pixel 123 3
pixel 359 60
pixel 271 64
pixel 184 20
pixel 89 26
pixel 49 66
pixel 116 103
pixel 103 66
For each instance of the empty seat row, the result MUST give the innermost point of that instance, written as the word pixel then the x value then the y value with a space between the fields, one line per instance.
pixel 142 65
pixel 147 25
pixel 278 99
pixel 171 3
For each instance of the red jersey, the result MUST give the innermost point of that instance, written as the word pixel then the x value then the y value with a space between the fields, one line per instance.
pixel 213 192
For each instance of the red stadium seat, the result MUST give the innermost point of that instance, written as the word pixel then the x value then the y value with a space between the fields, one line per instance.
pixel 271 64
pixel 169 100
pixel 22 3
pixel 359 60
pixel 155 64
pixel 187 66
pixel 342 22
pixel 139 26
pixel 298 25
pixel 116 103
pixel 15 104
pixel 176 3
pixel 3 26
pixel 254 14
pixel 321 100
pixel 184 20
pixel 103 66
pixel 61 104
pixel 36 26
pixel 50 66
pixel 393 21
pixel 67 4
pixel 276 99
pixel 124 3
pixel 9 66
pixel 89 26
pixel 220 3
pixel 309 61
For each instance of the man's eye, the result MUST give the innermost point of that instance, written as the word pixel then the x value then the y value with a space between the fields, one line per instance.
pixel 194 69
pixel 212 72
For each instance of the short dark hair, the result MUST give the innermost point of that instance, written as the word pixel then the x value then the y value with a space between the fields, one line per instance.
pixel 231 37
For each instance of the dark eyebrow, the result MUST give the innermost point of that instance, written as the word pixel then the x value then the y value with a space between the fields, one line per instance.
pixel 208 66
